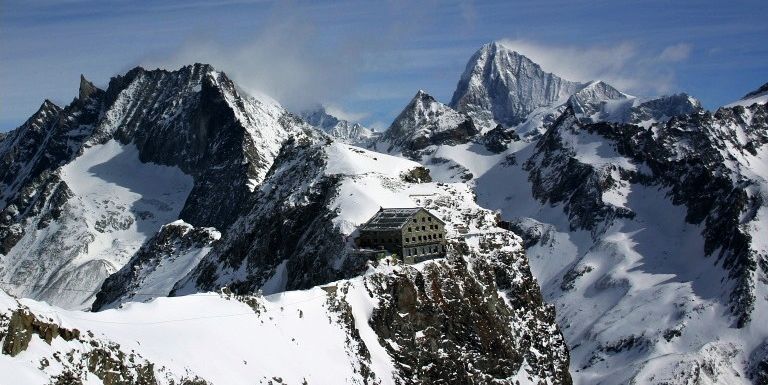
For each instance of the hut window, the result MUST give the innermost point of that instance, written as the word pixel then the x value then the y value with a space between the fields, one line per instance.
pixel 409 230
pixel 423 228
pixel 429 219
pixel 440 235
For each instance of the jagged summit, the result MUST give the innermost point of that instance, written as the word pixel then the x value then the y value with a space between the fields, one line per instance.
pixel 426 121
pixel 341 129
pixel 86 88
pixel 590 99
pixel 86 217
pixel 499 85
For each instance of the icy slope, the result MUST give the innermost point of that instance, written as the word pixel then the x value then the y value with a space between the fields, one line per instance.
pixel 109 212
pixel 759 96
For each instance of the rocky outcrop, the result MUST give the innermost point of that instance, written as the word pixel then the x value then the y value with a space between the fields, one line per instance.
pixel 498 139
pixel 73 357
pixel 22 325
pixel 459 320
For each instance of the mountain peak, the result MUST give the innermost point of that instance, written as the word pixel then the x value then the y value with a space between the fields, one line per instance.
pixel 502 86
pixel 86 88
pixel 425 121
pixel 341 129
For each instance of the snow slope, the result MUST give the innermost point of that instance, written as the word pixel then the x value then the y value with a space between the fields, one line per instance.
pixel 759 96
pixel 635 292
pixel 116 203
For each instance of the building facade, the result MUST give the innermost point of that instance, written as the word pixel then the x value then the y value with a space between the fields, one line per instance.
pixel 414 234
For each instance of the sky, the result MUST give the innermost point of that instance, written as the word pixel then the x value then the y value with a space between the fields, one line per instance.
pixel 365 60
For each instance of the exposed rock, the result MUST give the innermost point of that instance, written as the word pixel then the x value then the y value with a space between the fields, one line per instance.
pixel 497 139
pixel 462 321
pixel 417 175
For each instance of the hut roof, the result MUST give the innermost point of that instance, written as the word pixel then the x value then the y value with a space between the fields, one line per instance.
pixel 392 218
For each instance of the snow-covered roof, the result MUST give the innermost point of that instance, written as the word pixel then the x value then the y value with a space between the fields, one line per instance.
pixel 392 218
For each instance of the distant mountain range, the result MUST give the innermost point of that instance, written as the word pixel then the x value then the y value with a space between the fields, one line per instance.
pixel 171 229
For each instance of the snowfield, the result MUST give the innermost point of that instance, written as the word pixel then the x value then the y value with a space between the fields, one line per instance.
pixel 117 203
pixel 291 335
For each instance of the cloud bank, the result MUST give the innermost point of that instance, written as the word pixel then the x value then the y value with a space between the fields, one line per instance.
pixel 283 60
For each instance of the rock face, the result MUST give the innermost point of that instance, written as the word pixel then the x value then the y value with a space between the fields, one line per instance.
pixel 85 182
pixel 424 122
pixel 501 86
pixel 340 129
pixel 455 339
pixel 303 251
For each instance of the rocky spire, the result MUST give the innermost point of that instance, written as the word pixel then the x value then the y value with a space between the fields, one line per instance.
pixel 86 88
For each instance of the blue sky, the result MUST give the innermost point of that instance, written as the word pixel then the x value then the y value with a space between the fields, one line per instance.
pixel 367 59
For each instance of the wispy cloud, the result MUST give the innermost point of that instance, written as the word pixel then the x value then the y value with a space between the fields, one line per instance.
pixel 623 64
pixel 677 52
pixel 344 114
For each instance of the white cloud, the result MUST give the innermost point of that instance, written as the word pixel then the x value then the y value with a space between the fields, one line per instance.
pixel 677 52
pixel 623 64
pixel 340 113
pixel 282 60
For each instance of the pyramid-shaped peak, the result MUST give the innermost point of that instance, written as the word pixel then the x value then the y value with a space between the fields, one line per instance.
pixel 86 88
pixel 502 86
pixel 423 96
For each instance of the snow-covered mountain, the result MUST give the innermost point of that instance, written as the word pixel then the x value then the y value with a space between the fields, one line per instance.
pixel 643 221
pixel 177 183
pixel 85 185
pixel 501 86
pixel 424 122
pixel 340 129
